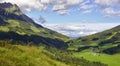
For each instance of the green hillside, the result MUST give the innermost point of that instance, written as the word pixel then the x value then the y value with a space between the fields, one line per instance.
pixel 106 39
pixel 16 26
pixel 103 47
pixel 30 55
pixel 12 19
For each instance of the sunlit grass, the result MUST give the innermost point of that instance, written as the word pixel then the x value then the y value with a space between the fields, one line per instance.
pixel 5 29
pixel 13 23
pixel 111 60
pixel 18 55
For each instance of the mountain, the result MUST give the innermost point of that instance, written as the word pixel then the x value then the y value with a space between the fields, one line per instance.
pixel 16 26
pixel 107 41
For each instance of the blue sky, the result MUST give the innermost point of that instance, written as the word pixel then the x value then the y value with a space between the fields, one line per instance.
pixel 74 17
pixel 71 11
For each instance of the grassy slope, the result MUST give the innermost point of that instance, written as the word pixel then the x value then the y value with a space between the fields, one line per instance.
pixel 17 55
pixel 108 39
pixel 21 24
pixel 42 55
pixel 111 60
pixel 22 28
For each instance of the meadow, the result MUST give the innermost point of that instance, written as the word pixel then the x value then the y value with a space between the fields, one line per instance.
pixel 111 60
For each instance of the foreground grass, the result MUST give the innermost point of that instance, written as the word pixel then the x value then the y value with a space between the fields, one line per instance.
pixel 18 55
pixel 111 60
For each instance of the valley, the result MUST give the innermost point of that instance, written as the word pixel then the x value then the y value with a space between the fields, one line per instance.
pixel 23 42
pixel 103 47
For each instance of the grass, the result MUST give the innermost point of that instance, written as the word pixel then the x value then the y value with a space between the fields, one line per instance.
pixel 111 60
pixel 13 23
pixel 29 55
pixel 112 35
pixel 110 45
pixel 34 29
pixel 5 29
pixel 18 55
pixel 23 28
pixel 13 10
pixel 104 40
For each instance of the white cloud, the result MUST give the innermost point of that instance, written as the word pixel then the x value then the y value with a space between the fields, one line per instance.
pixel 29 4
pixel 44 4
pixel 110 8
pixel 82 29
pixel 86 6
pixel 28 9
pixel 86 11
pixel 107 2
pixel 59 7
pixel 58 1
pixel 74 2
pixel 81 33
pixel 45 1
pixel 111 11
pixel 64 6
pixel 62 12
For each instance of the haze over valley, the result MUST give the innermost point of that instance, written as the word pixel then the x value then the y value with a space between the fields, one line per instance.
pixel 80 29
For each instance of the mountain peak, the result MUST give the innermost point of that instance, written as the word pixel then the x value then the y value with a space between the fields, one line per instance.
pixel 6 5
pixel 12 11
pixel 10 8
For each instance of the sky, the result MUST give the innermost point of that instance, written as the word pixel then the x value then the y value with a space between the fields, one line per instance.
pixel 71 13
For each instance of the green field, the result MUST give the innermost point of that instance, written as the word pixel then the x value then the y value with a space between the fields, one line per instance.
pixel 111 60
